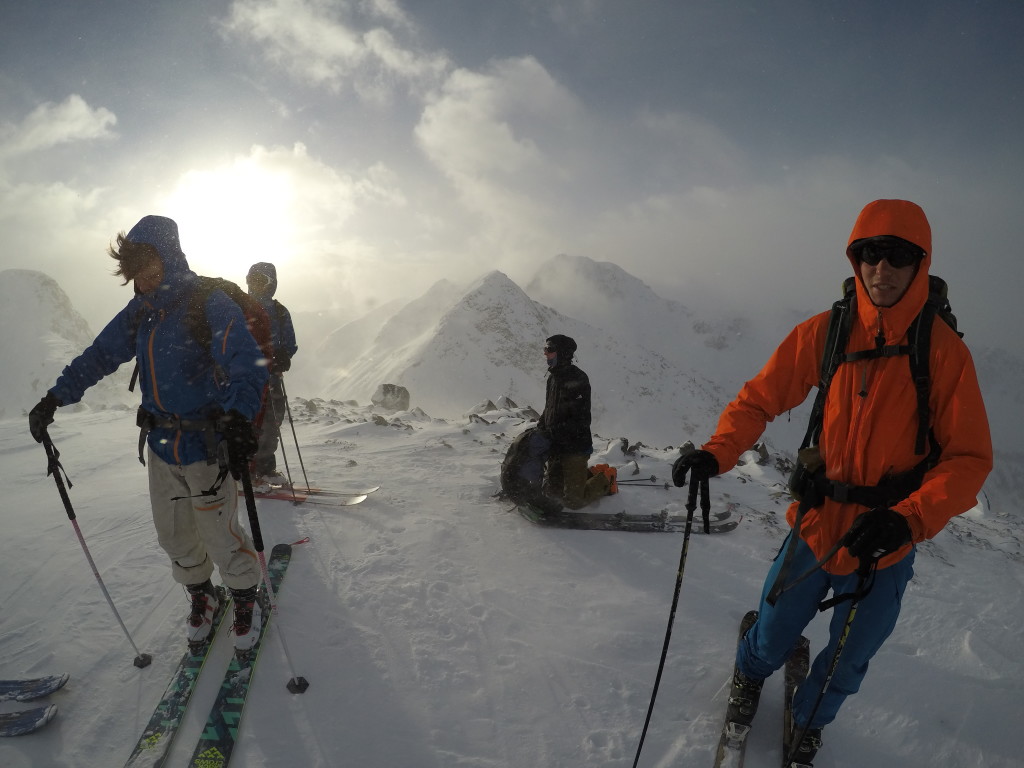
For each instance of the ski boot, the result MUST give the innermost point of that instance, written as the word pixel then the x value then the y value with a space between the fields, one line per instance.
pixel 809 746
pixel 276 479
pixel 204 607
pixel 743 699
pixel 250 612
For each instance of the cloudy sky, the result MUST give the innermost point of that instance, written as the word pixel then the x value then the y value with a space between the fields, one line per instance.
pixel 717 149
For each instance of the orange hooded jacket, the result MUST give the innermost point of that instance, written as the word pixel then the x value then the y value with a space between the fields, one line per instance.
pixel 866 436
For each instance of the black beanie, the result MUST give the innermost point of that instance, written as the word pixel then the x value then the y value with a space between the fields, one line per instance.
pixel 561 344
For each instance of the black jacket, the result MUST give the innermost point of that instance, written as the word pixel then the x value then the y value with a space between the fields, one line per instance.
pixel 566 417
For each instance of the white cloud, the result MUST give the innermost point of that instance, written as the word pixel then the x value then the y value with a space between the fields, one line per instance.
pixel 505 139
pixel 50 125
pixel 316 42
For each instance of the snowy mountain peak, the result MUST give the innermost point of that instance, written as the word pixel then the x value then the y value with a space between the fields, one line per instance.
pixel 43 332
pixel 36 299
pixel 580 285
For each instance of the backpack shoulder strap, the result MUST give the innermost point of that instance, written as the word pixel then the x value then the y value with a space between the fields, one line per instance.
pixel 836 338
pixel 920 335
pixel 137 323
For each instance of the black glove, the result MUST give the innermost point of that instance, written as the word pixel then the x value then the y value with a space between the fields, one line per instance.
pixel 40 417
pixel 875 533
pixel 701 464
pixel 281 363
pixel 240 439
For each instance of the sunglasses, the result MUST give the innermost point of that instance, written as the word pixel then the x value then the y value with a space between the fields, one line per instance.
pixel 549 350
pixel 899 255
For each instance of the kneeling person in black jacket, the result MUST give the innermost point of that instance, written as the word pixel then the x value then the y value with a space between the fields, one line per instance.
pixel 566 421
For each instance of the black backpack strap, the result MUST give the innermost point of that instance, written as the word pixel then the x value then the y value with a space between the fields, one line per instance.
pixel 836 337
pixel 920 335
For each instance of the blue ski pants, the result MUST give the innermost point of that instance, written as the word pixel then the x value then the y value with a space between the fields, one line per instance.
pixel 770 640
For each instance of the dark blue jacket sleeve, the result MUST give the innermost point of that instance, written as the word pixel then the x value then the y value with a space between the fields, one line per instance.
pixel 115 345
pixel 288 340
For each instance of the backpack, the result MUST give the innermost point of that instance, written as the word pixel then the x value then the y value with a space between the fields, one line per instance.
pixel 256 318
pixel 918 351
pixel 522 470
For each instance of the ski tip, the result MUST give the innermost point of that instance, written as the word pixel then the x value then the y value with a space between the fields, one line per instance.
pixel 27 721
pixel 281 549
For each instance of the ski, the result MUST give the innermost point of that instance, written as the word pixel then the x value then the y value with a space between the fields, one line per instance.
pixel 301 497
pixel 339 501
pixel 153 745
pixel 218 738
pixel 623 521
pixel 338 492
pixel 27 689
pixel 26 721
pixel 796 670
pixel 732 745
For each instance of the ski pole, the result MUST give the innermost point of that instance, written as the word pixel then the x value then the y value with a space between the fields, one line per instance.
pixel 691 505
pixel 284 453
pixel 296 684
pixel 54 467
pixel 295 437
pixel 866 566
pixel 650 479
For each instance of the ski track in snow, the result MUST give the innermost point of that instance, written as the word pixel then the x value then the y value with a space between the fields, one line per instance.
pixel 437 628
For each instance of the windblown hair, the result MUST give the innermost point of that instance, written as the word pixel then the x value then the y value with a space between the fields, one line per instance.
pixel 131 257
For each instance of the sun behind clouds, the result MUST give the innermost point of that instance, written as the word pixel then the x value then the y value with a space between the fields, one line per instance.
pixel 233 216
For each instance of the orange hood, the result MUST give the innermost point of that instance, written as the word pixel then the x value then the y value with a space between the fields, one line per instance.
pixel 899 218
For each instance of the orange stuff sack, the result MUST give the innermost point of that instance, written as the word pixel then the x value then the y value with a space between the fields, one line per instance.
pixel 610 472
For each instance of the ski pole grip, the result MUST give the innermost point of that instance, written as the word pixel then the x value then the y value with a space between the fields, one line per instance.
pixel 250 505
pixel 54 468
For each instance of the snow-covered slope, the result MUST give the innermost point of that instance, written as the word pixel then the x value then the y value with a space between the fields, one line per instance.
pixel 439 629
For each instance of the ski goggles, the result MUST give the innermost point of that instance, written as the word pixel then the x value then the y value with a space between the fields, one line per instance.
pixel 898 252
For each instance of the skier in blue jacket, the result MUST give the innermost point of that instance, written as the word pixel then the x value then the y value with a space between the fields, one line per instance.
pixel 198 405
pixel 262 284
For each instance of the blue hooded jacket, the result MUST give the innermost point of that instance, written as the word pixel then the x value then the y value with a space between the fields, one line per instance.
pixel 177 377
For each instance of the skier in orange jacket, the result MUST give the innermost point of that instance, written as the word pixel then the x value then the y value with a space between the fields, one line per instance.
pixel 869 426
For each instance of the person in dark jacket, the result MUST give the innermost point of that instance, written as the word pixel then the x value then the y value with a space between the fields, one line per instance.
pixel 198 404
pixel 262 283
pixel 566 422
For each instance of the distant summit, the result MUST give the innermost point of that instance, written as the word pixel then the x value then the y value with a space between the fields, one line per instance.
pixel 484 341
pixel 42 334
pixel 599 292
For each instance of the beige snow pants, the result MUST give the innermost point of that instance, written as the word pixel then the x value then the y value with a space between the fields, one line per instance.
pixel 198 532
